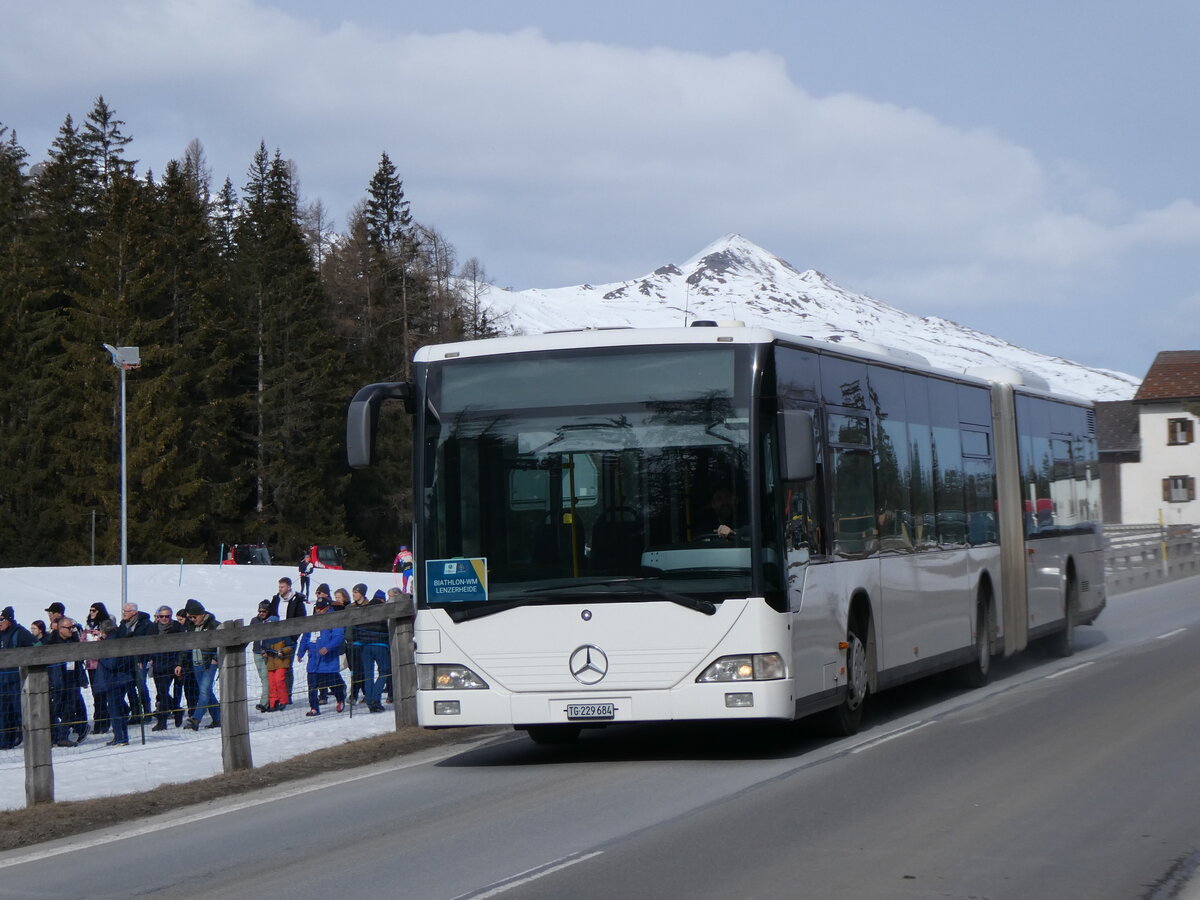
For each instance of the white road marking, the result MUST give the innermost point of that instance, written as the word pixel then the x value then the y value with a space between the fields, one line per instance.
pixel 1163 637
pixel 534 874
pixel 1070 670
pixel 890 736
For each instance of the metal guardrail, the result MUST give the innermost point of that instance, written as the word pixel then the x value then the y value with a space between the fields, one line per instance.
pixel 1141 556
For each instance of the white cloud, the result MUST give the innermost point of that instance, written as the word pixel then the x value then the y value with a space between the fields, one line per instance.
pixel 569 161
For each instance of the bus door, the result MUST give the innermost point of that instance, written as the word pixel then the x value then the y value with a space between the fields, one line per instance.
pixel 1049 511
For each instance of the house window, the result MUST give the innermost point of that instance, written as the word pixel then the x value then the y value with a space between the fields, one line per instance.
pixel 1179 431
pixel 1179 489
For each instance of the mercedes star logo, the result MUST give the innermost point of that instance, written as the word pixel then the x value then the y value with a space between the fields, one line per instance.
pixel 588 664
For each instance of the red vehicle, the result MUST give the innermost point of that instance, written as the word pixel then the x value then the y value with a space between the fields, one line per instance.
pixel 326 556
pixel 245 555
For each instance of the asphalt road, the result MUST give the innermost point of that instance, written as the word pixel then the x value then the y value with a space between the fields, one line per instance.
pixel 1061 779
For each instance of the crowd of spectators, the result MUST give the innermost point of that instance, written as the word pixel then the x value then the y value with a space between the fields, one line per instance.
pixel 185 683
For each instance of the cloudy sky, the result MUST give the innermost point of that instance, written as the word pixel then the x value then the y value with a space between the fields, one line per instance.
pixel 1026 168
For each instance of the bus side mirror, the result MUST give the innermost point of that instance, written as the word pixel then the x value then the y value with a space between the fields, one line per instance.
pixel 362 419
pixel 799 452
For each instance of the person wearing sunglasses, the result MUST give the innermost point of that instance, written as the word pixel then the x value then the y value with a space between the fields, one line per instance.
pixel 68 714
pixel 167 685
pixel 96 617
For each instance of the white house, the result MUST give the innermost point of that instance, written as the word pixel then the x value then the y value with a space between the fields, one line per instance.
pixel 1148 449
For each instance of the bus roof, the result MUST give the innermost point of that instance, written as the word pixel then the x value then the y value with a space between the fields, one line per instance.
pixel 730 333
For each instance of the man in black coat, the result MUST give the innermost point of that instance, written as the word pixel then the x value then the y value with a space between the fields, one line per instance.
pixel 136 624
pixel 167 687
pixel 12 636
pixel 288 604
pixel 66 688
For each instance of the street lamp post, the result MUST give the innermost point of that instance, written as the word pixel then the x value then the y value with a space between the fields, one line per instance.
pixel 124 358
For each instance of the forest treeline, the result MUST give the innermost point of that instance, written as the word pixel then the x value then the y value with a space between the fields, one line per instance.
pixel 256 324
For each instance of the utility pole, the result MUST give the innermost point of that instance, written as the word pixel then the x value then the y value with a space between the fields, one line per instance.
pixel 124 358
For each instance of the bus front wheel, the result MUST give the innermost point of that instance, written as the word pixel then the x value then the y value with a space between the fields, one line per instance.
pixel 846 718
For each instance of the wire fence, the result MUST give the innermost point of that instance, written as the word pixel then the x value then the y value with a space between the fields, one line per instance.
pixel 59 705
pixel 163 707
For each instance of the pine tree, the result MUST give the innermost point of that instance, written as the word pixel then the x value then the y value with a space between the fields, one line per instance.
pixel 387 216
pixel 391 287
pixel 13 282
pixel 105 144
pixel 60 225
pixel 224 214
pixel 297 396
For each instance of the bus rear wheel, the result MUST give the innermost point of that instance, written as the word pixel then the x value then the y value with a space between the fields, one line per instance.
pixel 1063 643
pixel 978 671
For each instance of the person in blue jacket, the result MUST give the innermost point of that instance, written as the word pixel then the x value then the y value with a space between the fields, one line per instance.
pixel 115 676
pixel 324 654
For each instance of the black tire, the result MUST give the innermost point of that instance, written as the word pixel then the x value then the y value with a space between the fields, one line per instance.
pixel 553 735
pixel 1062 644
pixel 978 671
pixel 846 718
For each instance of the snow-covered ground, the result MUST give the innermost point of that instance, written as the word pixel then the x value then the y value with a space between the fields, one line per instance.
pixel 229 592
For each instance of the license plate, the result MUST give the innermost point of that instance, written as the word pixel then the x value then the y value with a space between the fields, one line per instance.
pixel 591 711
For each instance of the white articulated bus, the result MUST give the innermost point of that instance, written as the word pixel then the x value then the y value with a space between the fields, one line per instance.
pixel 721 522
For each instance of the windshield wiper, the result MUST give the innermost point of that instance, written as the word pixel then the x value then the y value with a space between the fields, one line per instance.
pixel 705 606
pixel 529 598
pixel 568 594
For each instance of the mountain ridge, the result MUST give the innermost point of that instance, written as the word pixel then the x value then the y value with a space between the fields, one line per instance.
pixel 735 279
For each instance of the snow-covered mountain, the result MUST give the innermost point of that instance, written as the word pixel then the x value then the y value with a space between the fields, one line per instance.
pixel 734 279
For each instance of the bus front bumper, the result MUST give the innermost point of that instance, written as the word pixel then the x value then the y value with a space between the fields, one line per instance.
pixel 724 700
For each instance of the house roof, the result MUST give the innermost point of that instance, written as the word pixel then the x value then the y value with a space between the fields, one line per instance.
pixel 1174 375
pixel 1117 426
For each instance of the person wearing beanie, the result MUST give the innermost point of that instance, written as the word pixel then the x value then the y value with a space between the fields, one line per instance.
pixel 260 660
pixel 323 649
pixel 322 593
pixel 354 656
pixel 371 641
pixel 12 635
pixel 278 654
pixel 204 667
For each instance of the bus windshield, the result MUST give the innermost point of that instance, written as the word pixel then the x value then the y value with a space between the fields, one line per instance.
pixel 613 474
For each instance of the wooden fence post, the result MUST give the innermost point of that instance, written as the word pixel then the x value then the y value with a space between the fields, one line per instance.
pixel 36 721
pixel 404 670
pixel 235 717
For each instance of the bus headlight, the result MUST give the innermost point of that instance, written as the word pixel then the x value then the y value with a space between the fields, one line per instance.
pixel 448 678
pixel 751 667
